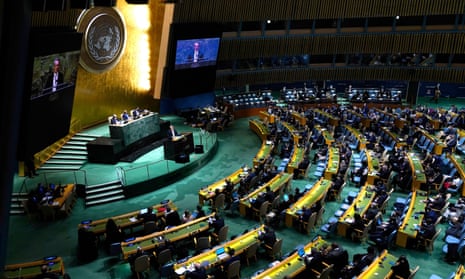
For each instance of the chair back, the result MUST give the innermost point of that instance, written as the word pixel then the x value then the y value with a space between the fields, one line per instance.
pixel 234 269
pixel 202 243
pixel 149 227
pixel 164 257
pixel 264 209
pixel 251 252
pixel 277 247
pixel 219 201
pixel 142 263
pixel 223 234
pixel 325 273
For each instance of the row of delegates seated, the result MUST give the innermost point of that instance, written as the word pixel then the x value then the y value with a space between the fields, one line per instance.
pixel 318 259
pixel 125 117
pixel 359 263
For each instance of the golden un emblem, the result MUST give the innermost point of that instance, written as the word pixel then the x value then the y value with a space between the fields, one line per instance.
pixel 104 38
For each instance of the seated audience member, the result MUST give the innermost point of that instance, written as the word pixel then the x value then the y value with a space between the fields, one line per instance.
pixel 314 260
pixel 269 194
pixel 200 212
pixel 359 262
pixel 437 202
pixel 257 203
pixel 125 116
pixel 401 268
pixel 357 224
pixel 46 273
pixel 187 216
pixel 426 231
pixel 172 218
pixel 132 258
pixel 382 231
pixel 147 216
pixel 113 233
pixel 114 120
pixel 338 257
pixel 268 237
pixel 302 167
pixel 217 223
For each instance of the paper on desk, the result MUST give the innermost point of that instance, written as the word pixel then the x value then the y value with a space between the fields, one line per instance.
pixel 133 219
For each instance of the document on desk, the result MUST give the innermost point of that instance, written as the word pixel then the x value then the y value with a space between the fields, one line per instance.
pixel 133 219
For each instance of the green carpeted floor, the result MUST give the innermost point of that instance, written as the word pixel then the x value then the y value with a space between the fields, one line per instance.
pixel 31 240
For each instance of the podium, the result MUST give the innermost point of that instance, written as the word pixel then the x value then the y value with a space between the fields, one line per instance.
pixel 183 145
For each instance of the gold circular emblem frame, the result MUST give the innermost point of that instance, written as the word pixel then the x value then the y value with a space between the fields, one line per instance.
pixel 104 38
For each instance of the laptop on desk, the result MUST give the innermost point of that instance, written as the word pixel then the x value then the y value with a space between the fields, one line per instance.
pixel 221 253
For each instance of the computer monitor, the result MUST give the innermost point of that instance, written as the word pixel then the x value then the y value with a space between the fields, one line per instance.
pixel 301 252
pixel 144 211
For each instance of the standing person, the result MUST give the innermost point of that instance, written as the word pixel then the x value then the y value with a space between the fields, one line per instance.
pixel 56 77
pixel 437 94
pixel 172 133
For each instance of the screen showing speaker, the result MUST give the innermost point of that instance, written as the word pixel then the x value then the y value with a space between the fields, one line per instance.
pixel 194 53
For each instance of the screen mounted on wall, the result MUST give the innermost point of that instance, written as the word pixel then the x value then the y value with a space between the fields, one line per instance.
pixel 195 53
pixel 54 72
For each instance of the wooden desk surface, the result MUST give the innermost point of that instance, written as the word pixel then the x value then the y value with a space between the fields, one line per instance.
pixel 263 153
pixel 32 269
pixel 276 184
pixel 209 191
pixel 68 191
pixel 126 220
pixel 380 267
pixel 373 167
pixel 360 205
pixel 210 259
pixel 459 164
pixel 361 137
pixel 418 172
pixel 292 265
pixel 151 241
pixel 333 163
pixel 297 157
pixel 408 227
pixel 460 273
pixel 315 194
pixel 259 128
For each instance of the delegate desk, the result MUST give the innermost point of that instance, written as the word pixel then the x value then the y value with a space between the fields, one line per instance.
pixel 380 267
pixel 68 193
pixel 359 205
pixel 124 221
pixel 292 265
pixel 210 259
pixel 364 120
pixel 183 144
pixel 208 192
pixel 408 228
pixel 300 118
pixel 297 157
pixel 259 128
pixel 293 131
pixel 362 140
pixel 332 120
pixel 418 172
pixel 265 151
pixel 373 167
pixel 137 129
pixel 311 197
pixel 400 142
pixel 327 135
pixel 333 163
pixel 277 184
pixel 33 269
pixel 266 117
pixel 460 166
pixel 173 234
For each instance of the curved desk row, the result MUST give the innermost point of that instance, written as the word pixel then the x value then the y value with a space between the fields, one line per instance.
pixel 311 197
pixel 359 205
pixel 210 258
pixel 209 192
pixel 292 265
pixel 33 269
pixel 380 267
pixel 124 221
pixel 153 240
pixel 408 228
pixel 277 184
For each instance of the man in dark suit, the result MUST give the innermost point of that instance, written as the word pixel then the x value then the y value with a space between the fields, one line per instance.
pixel 217 223
pixel 172 218
pixel 55 78
pixel 147 216
pixel 268 237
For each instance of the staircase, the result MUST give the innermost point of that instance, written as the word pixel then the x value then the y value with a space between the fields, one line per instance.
pixel 104 193
pixel 16 206
pixel 71 156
